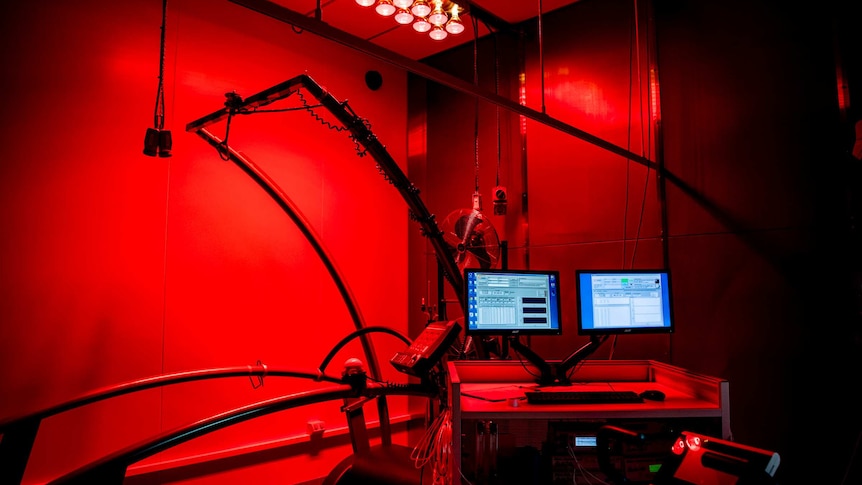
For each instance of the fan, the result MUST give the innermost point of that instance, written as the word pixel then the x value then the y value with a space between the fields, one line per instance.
pixel 472 238
pixel 473 242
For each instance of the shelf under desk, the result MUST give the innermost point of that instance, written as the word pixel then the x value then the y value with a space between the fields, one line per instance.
pixel 494 390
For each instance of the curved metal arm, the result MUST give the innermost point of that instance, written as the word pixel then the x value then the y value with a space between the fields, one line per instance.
pixel 363 135
pixel 311 236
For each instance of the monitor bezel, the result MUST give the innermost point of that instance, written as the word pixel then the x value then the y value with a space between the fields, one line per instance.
pixel 514 332
pixel 667 304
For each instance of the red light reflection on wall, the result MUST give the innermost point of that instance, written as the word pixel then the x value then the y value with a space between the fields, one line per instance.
pixel 655 102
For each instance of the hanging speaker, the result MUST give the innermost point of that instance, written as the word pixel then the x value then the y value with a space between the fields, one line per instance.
pixel 165 143
pixel 373 80
pixel 151 142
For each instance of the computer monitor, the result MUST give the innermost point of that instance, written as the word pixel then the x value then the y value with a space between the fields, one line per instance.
pixel 512 302
pixel 633 301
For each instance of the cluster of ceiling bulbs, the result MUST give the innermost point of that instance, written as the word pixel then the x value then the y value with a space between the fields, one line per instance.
pixel 426 16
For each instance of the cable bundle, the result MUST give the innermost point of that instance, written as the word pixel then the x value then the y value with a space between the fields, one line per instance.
pixel 435 447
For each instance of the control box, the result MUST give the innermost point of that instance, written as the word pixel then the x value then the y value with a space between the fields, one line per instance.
pixel 427 349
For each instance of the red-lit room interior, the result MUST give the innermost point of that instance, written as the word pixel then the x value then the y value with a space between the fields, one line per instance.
pixel 713 139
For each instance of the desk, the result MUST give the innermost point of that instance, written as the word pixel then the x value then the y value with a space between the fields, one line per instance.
pixel 485 391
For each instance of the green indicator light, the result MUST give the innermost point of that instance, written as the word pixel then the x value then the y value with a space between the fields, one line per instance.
pixel 654 467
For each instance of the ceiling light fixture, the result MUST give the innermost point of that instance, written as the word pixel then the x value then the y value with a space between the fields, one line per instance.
pixel 437 17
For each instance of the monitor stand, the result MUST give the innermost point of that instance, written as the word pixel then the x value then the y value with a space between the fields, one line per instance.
pixel 556 375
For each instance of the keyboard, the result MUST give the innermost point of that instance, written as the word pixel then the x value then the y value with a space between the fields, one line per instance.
pixel 582 397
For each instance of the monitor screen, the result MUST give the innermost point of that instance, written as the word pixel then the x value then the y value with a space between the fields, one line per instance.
pixel 623 301
pixel 512 302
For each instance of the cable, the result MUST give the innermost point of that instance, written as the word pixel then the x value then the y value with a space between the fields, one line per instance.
pixel 497 107
pixel 159 112
pixel 523 364
pixel 644 150
pixel 356 333
pixel 476 99
pixel 848 470
pixel 541 58
pixel 157 140
pixel 435 447
pixel 646 177
pixel 588 475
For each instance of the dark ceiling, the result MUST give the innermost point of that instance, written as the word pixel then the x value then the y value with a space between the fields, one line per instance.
pixel 366 24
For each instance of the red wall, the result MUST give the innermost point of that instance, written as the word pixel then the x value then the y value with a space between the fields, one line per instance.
pixel 118 266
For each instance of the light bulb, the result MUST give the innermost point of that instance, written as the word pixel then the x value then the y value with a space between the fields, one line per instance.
pixel 420 8
pixel 421 25
pixel 454 26
pixel 366 3
pixel 437 33
pixel 402 3
pixel 438 16
pixel 385 8
pixel 403 16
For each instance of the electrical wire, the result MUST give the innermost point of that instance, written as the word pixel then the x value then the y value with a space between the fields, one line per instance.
pixel 613 348
pixel 644 148
pixel 159 111
pixel 523 363
pixel 849 468
pixel 541 57
pixel 476 99
pixel 435 447
pixel 356 333
pixel 497 107
pixel 234 104
pixel 588 475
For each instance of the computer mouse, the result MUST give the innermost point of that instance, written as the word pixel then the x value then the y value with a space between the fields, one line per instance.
pixel 652 395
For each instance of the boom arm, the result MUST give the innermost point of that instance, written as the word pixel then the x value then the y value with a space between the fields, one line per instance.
pixel 363 135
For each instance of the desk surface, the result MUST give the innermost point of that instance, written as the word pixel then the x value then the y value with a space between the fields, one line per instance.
pixel 495 390
pixel 500 400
